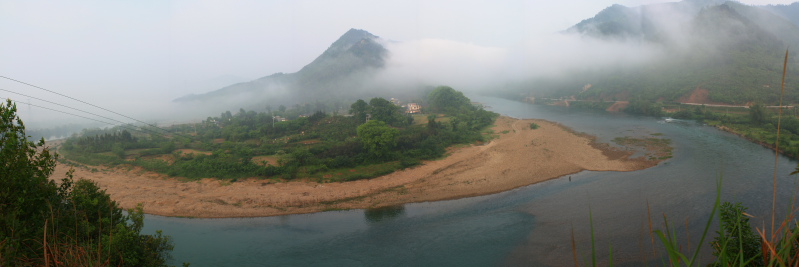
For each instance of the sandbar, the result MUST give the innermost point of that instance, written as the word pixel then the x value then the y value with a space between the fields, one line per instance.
pixel 519 156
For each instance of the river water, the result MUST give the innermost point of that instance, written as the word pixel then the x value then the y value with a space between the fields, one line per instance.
pixel 529 226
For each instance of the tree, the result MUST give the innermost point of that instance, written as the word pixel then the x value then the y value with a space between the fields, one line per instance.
pixel 444 99
pixel 317 116
pixel 25 190
pixel 383 110
pixel 41 221
pixel 281 108
pixel 359 109
pixel 378 137
pixel 757 113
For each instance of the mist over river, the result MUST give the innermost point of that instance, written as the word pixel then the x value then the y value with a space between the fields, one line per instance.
pixel 530 225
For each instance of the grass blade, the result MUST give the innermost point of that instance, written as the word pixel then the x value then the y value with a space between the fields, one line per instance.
pixel 574 249
pixel 593 245
pixel 611 255
pixel 709 222
pixel 777 143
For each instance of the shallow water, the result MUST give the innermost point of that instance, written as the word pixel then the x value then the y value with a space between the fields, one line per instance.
pixel 531 225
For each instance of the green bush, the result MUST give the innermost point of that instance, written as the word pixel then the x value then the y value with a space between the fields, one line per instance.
pixel 735 241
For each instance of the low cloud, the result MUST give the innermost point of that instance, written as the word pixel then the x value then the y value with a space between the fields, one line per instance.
pixel 472 67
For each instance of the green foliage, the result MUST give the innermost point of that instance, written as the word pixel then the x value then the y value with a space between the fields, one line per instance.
pixel 383 110
pixel 740 122
pixel 757 113
pixel 590 105
pixel 643 107
pixel 25 191
pixel 378 137
pixel 135 249
pixel 41 221
pixel 444 99
pixel 736 243
pixel 106 140
pixel 533 126
pixel 302 146
pixel 359 110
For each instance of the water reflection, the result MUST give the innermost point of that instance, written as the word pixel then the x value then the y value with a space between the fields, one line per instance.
pixel 374 215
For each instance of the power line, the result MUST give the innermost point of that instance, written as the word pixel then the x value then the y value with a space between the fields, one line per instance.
pixel 123 125
pixel 90 104
pixel 107 118
pixel 54 103
pixel 84 102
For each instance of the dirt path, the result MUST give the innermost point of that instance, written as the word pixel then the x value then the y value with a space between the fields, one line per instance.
pixel 520 157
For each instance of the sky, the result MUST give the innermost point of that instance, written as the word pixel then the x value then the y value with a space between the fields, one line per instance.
pixel 123 54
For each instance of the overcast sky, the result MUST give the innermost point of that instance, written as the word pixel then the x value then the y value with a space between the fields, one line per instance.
pixel 113 52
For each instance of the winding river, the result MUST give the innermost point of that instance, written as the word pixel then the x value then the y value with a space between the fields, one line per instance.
pixel 529 226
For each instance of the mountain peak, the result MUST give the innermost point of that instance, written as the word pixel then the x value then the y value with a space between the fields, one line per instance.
pixel 350 38
pixel 354 43
pixel 354 55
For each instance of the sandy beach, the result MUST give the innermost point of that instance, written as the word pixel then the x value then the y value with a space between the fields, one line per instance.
pixel 520 156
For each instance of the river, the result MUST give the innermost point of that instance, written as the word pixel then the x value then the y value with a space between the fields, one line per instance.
pixel 529 226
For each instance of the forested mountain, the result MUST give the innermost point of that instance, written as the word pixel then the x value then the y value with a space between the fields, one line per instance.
pixel 338 73
pixel 790 12
pixel 728 51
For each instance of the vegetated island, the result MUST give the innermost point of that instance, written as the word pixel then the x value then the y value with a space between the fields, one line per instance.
pixel 519 153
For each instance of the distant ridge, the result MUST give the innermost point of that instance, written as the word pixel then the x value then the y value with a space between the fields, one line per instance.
pixel 732 51
pixel 789 12
pixel 338 69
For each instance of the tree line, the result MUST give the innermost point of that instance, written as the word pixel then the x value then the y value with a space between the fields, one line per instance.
pixel 374 132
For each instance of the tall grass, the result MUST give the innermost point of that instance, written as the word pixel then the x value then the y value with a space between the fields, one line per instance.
pixel 781 247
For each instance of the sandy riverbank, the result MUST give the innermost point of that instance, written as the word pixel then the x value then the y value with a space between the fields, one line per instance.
pixel 520 156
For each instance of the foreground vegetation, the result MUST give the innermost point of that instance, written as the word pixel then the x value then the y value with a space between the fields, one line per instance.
pixel 71 223
pixel 376 138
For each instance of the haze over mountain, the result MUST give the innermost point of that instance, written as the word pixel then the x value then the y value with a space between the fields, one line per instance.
pixel 790 12
pixel 339 73
pixel 730 52
pixel 658 52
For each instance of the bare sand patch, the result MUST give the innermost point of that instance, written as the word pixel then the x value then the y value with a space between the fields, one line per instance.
pixel 520 156
pixel 265 160
pixel 187 151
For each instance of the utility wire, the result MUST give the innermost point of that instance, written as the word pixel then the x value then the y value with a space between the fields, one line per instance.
pixel 123 126
pixel 84 102
pixel 90 104
pixel 51 102
pixel 107 118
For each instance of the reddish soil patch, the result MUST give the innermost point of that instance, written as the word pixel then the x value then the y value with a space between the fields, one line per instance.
pixel 698 96
pixel 618 106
